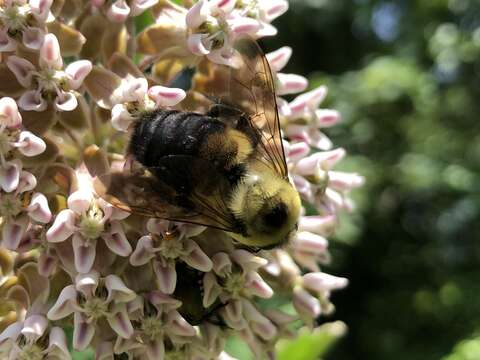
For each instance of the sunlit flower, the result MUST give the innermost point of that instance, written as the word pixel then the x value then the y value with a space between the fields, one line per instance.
pixel 119 10
pixel 86 220
pixel 155 319
pixel 91 299
pixel 50 83
pixel 285 83
pixel 23 21
pixel 213 28
pixel 33 339
pixel 133 96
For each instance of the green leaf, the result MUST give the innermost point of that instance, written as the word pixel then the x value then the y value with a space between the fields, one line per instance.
pixel 311 345
pixel 468 349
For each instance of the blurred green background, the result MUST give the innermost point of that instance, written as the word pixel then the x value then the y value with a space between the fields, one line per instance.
pixel 406 77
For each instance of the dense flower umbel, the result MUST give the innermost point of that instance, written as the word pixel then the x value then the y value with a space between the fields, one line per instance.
pixel 133 287
pixel 23 21
pixel 49 83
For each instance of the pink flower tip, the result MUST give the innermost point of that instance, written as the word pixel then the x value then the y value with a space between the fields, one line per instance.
pixel 50 55
pixel 165 96
pixel 9 114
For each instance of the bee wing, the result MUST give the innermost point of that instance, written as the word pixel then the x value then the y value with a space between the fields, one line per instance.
pixel 137 190
pixel 249 87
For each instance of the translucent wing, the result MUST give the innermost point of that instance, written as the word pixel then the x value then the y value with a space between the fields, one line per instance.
pixel 138 190
pixel 248 86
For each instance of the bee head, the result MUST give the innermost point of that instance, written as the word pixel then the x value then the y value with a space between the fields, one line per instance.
pixel 269 208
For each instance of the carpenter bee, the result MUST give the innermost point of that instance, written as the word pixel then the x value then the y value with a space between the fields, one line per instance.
pixel 218 162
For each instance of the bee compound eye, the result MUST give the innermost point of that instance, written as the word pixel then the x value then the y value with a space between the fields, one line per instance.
pixel 277 216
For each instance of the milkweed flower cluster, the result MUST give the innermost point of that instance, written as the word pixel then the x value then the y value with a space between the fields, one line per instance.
pixel 73 77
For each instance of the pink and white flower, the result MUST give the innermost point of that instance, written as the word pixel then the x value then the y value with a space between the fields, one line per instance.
pixel 167 244
pixel 119 10
pixel 133 96
pixel 87 220
pixel 23 21
pixel 212 27
pixel 50 83
pixel 27 340
pixel 91 299
pixel 156 319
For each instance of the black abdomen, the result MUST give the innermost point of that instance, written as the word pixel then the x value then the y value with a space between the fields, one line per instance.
pixel 170 132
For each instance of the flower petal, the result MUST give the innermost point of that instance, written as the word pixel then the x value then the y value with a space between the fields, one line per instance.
pixel 87 283
pixel 275 9
pixel 278 59
pixel 318 224
pixel 306 304
pixel 13 232
pixel 66 101
pixel 63 226
pixel 84 253
pixel 165 96
pixel 116 240
pixel 308 242
pixel 290 84
pixel 80 200
pixel 29 144
pixel 9 176
pixel 196 258
pixel 7 44
pixel 32 100
pixel 50 55
pixel 40 9
pixel 144 251
pixel 121 118
pixel 22 69
pixel 222 264
pixel 27 181
pixel 257 286
pixel 9 114
pixel 65 304
pixel 57 344
pixel 118 11
pixel 327 117
pixel 46 264
pixel 34 327
pixel 83 331
pixel 211 289
pixel 178 325
pixel 310 100
pixel 38 209
pixel 156 350
pixel 243 25
pixel 247 260
pixel 166 276
pixel 117 290
pixel 298 151
pixel 320 281
pixel 33 38
pixel 77 71
pixel 12 332
pixel 197 14
pixel 196 46
pixel 120 322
